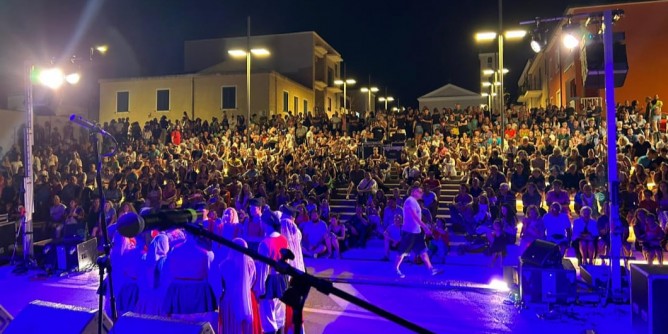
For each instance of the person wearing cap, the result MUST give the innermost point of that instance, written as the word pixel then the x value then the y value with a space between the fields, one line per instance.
pixel 270 284
pixel 253 230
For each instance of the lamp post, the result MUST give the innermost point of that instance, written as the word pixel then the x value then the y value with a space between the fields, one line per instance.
pixel 385 99
pixel 369 91
pixel 52 78
pixel 248 53
pixel 345 83
pixel 491 36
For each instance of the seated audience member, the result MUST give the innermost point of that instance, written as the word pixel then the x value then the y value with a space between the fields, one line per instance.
pixel 359 227
pixel 558 227
pixel 585 234
pixel 532 228
pixel 392 236
pixel 337 234
pixel 651 239
pixel 315 241
pixel 440 239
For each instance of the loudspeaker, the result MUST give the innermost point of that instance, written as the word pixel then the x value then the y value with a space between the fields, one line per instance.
pixel 46 317
pixel 649 287
pixel 599 276
pixel 542 254
pixel 131 323
pixel 7 235
pixel 5 319
pixel 593 62
pixel 66 254
pixel 548 285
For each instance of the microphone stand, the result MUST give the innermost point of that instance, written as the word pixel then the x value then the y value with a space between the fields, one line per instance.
pixel 104 260
pixel 301 282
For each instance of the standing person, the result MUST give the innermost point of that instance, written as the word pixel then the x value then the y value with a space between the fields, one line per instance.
pixel 270 284
pixel 413 232
pixel 291 232
pixel 235 312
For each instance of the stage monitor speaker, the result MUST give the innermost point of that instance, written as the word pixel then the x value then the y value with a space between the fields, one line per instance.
pixel 7 235
pixel 5 319
pixel 548 285
pixel 53 318
pixel 542 254
pixel 649 287
pixel 131 323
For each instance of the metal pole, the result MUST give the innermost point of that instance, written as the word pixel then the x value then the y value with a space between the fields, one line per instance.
pixel 613 177
pixel 345 104
pixel 500 93
pixel 28 189
pixel 248 82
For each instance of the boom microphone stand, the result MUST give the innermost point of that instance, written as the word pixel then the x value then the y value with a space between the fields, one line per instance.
pixel 301 283
pixel 104 261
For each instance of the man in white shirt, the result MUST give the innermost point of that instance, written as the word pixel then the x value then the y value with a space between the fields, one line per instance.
pixel 413 232
pixel 367 187
pixel 558 227
pixel 315 232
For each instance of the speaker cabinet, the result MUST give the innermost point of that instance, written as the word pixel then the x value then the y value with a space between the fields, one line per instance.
pixel 548 285
pixel 131 323
pixel 66 254
pixel 46 317
pixel 649 288
pixel 542 254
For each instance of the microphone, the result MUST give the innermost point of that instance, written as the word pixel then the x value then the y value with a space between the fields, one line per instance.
pixel 131 224
pixel 91 126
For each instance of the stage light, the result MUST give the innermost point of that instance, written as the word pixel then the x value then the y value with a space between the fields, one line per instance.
pixel 73 78
pixel 571 34
pixel 498 285
pixel 52 78
pixel 536 45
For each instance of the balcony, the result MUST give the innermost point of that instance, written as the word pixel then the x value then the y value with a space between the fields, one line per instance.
pixel 319 85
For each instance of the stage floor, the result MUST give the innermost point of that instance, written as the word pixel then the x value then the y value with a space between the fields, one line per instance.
pixel 457 301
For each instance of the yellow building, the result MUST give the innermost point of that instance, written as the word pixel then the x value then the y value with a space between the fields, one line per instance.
pixel 200 96
pixel 298 76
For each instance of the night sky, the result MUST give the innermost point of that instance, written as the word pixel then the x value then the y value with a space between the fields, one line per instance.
pixel 410 47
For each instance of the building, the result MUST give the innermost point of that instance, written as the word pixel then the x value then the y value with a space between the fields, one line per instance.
pixel 489 80
pixel 450 95
pixel 297 76
pixel 558 76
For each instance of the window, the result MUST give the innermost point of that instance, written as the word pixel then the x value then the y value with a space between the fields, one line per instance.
pixel 286 103
pixel 329 104
pixel 122 101
pixel 228 97
pixel 305 106
pixel 162 100
pixel 296 105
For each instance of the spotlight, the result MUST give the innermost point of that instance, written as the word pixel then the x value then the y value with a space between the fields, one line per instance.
pixel 52 78
pixel 571 34
pixel 73 78
pixel 536 45
pixel 498 285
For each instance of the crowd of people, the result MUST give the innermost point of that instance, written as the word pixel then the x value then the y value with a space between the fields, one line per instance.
pixel 238 169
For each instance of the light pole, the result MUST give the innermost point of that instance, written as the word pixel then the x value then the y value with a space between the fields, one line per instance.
pixel 53 78
pixel 248 52
pixel 606 18
pixel 488 37
pixel 385 99
pixel 369 91
pixel 345 83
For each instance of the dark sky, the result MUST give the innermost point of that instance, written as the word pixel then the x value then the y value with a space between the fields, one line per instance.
pixel 409 46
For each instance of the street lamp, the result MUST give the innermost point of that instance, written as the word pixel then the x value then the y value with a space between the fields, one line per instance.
pixel 248 52
pixel 491 36
pixel 386 99
pixel 345 83
pixel 369 91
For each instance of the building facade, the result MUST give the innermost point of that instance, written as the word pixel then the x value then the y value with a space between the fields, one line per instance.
pixel 557 75
pixel 298 76
pixel 201 96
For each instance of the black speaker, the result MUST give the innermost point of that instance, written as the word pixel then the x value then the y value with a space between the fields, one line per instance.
pixel 131 323
pixel 7 235
pixel 594 62
pixel 66 254
pixel 649 287
pixel 46 317
pixel 542 254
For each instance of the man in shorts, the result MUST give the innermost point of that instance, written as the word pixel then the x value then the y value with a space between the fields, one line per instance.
pixel 413 232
